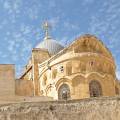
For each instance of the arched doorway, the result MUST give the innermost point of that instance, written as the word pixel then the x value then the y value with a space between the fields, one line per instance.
pixel 95 89
pixel 64 92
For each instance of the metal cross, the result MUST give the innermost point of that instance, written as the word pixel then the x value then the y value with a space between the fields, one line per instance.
pixel 46 27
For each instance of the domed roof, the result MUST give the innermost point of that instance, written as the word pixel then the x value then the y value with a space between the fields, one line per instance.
pixel 51 45
pixel 48 43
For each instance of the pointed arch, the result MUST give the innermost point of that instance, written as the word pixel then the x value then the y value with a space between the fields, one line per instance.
pixel 61 81
pixel 95 88
pixel 64 92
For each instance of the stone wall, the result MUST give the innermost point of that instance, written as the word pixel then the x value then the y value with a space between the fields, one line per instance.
pixel 107 108
pixel 7 80
pixel 18 99
pixel 78 68
pixel 24 87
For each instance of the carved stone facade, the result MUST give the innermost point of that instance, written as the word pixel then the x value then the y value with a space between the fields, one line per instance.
pixel 86 68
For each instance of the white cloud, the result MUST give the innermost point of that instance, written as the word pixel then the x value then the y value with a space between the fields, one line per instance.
pixel 52 3
pixel 64 41
pixel 4 55
pixel 86 2
pixel 19 43
pixel 32 12
pixel 118 75
pixel 12 6
pixel 107 25
pixel 69 26
pixel 72 26
pixel 54 22
pixel 25 29
pixel 19 70
pixel 7 5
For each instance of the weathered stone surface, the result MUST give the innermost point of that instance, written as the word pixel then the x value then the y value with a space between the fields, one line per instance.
pixel 85 61
pixel 88 109
pixel 19 99
pixel 24 87
pixel 7 80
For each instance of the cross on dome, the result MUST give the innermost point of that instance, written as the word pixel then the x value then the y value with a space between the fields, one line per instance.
pixel 48 43
pixel 46 27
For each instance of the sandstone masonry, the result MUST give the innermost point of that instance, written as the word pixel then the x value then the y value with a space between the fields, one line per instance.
pixel 104 108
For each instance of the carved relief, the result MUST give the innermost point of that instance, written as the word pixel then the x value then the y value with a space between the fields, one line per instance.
pixel 54 73
pixel 91 44
pixel 83 66
pixel 44 81
pixel 69 68
pixel 76 67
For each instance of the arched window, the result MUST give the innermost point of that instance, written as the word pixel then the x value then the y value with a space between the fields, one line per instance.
pixel 64 92
pixel 95 89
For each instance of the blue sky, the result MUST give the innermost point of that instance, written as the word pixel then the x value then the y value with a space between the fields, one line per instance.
pixel 21 20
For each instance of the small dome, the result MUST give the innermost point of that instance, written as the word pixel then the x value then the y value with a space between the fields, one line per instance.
pixel 51 45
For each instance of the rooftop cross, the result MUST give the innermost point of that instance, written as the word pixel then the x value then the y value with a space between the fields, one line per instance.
pixel 46 27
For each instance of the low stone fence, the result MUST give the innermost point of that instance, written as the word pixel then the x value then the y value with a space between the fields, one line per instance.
pixel 105 108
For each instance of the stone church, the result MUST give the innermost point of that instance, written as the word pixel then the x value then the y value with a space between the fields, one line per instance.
pixel 85 68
